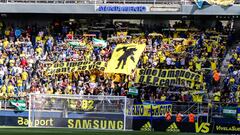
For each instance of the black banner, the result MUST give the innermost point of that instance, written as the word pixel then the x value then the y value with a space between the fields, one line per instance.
pixel 172 127
pixel 203 127
pixel 143 125
pixel 226 128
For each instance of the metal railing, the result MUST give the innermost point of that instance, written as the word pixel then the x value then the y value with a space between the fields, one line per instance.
pixel 100 1
pixel 5 103
pixel 187 107
pixel 105 1
pixel 216 109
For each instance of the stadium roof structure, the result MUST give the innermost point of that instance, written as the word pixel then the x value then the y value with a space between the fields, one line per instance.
pixel 161 7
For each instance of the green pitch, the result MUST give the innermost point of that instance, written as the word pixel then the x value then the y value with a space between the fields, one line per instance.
pixel 61 131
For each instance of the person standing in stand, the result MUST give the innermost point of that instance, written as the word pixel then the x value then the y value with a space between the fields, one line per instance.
pixel 168 116
pixel 179 117
pixel 191 118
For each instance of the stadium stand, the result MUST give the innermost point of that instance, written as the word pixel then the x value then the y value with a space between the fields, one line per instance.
pixel 24 50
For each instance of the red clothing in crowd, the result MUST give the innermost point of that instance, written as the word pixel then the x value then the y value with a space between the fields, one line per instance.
pixel 24 62
pixel 191 118
pixel 179 117
pixel 168 116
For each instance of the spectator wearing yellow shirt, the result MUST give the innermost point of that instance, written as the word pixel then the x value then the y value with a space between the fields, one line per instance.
pixel 10 89
pixel 38 38
pixel 198 65
pixel 195 58
pixel 1 60
pixel 49 91
pixel 117 78
pixel 145 60
pixel 93 78
pixel 162 59
pixel 213 65
pixel 197 96
pixel 235 55
pixel 178 48
pixel 39 50
pixel 24 76
pixel 68 89
pixel 209 49
pixel 7 31
pixel 2 95
pixel 237 96
pixel 11 62
pixel 5 43
pixel 20 84
pixel 4 89
pixel 217 96
pixel 163 97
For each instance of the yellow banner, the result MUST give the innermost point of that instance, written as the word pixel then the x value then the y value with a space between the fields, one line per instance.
pixel 181 29
pixel 46 64
pixel 139 110
pixel 168 77
pixel 159 110
pixel 125 58
pixel 221 2
pixel 155 34
pixel 73 66
pixel 154 110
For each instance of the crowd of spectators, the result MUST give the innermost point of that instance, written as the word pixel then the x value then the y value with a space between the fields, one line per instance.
pixel 231 81
pixel 25 52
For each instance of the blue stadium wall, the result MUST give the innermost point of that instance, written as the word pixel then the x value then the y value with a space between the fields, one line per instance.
pixel 190 9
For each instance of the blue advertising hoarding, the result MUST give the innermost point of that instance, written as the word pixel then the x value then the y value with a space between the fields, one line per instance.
pixel 121 8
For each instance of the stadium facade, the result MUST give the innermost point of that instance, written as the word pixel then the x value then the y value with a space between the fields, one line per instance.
pixel 44 12
pixel 159 7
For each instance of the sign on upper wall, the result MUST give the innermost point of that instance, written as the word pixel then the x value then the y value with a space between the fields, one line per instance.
pixel 118 8
pixel 165 8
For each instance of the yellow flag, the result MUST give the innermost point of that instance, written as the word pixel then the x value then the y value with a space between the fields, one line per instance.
pixel 125 58
pixel 122 34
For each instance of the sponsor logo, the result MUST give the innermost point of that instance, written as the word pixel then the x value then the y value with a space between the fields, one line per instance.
pixel 95 124
pixel 202 128
pixel 173 128
pixel 165 8
pixel 224 128
pixel 146 127
pixel 37 122
pixel 115 8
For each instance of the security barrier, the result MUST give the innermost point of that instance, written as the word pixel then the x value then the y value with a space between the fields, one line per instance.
pixel 148 116
pixel 138 124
